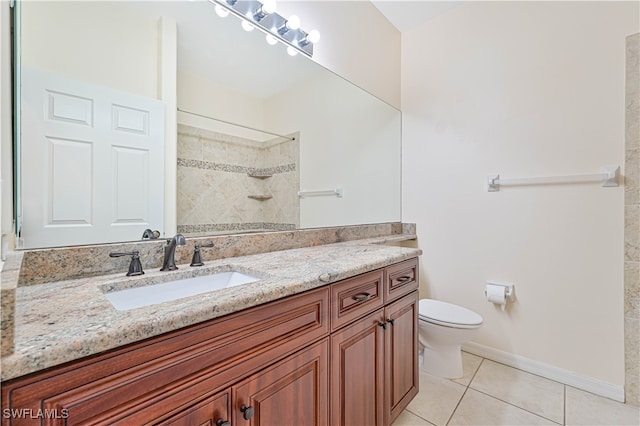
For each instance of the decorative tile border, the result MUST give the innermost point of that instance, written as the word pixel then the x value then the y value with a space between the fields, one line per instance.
pixel 231 168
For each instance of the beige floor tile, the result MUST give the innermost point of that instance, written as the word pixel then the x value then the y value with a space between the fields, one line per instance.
pixel 437 399
pixel 584 408
pixel 470 364
pixel 528 391
pixel 479 409
pixel 406 418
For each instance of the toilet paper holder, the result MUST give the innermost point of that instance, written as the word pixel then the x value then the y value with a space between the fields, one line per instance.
pixel 508 289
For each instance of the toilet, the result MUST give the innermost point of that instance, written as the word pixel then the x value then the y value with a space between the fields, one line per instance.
pixel 442 328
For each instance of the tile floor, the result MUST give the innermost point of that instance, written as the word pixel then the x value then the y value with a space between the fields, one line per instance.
pixel 495 394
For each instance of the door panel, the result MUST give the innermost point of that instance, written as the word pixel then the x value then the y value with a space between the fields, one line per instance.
pixel 91 163
pixel 357 373
pixel 401 356
pixel 294 392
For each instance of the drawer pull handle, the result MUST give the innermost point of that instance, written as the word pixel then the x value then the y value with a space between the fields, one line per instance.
pixel 247 411
pixel 404 279
pixel 222 422
pixel 361 297
pixel 391 321
pixel 383 325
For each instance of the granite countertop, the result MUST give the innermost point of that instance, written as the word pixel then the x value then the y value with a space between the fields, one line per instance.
pixel 62 321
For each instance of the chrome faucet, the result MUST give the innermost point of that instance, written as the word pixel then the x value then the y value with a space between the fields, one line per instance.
pixel 169 263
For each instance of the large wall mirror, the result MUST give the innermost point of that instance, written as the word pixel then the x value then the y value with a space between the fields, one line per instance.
pixel 100 84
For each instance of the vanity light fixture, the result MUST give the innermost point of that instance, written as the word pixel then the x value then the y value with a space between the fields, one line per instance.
pixel 262 15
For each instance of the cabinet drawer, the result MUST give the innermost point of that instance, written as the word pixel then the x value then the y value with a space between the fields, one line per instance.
pixel 402 278
pixel 355 297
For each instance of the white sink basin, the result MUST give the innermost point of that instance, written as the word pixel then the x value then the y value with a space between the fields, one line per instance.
pixel 132 298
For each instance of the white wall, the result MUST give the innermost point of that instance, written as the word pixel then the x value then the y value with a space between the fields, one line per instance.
pixel 208 98
pixel 522 89
pixel 352 141
pixel 103 43
pixel 357 42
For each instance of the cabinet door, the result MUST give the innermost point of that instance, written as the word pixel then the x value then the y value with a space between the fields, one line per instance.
pixel 293 392
pixel 211 412
pixel 357 376
pixel 401 354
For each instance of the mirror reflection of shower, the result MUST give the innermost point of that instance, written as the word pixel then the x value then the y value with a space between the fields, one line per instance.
pixel 236 179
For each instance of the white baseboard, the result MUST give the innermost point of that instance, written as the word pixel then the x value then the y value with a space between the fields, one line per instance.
pixel 566 377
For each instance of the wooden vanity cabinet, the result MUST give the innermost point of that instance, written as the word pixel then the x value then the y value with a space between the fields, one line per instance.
pixel 155 379
pixel 374 365
pixel 318 358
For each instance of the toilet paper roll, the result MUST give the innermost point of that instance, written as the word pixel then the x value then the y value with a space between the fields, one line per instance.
pixel 496 294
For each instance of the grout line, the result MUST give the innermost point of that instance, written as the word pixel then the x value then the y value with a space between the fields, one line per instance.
pixel 419 416
pixel 457 405
pixel 519 408
pixel 465 390
pixel 564 406
pixel 476 372
pixel 513 405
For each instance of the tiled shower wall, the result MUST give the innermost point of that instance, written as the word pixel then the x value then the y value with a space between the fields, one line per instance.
pixel 632 223
pixel 217 190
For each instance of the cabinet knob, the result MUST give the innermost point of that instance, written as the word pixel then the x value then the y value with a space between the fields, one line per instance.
pixel 222 422
pixel 382 324
pixel 247 411
pixel 391 321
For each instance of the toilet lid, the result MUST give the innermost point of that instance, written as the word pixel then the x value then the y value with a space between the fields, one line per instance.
pixel 447 314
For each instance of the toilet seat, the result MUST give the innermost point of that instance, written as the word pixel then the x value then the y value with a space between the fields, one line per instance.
pixel 447 314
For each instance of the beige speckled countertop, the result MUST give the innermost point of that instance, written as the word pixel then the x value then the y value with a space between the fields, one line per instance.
pixel 67 320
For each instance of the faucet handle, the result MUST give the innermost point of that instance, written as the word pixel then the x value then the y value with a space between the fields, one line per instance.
pixel 196 260
pixel 135 267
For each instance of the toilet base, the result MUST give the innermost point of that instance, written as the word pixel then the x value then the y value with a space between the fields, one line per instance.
pixel 446 362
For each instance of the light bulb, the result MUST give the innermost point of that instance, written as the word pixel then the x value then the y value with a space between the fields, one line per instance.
pixel 313 36
pixel 293 23
pixel 221 11
pixel 247 26
pixel 269 6
pixel 271 39
pixel 291 51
